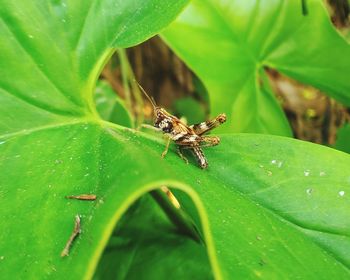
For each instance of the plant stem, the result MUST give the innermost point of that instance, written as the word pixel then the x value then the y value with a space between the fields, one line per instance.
pixel 304 7
pixel 125 73
pixel 180 219
pixel 131 87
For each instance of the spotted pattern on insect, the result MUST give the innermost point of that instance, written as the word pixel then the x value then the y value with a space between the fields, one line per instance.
pixel 166 125
pixel 177 136
pixel 186 137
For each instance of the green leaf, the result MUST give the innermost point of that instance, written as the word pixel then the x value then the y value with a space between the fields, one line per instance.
pixel 228 43
pixel 57 49
pixel 259 193
pixel 110 106
pixel 267 207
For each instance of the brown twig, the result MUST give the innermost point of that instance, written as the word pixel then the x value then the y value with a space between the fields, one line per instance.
pixel 82 197
pixel 304 7
pixel 180 219
pixel 75 233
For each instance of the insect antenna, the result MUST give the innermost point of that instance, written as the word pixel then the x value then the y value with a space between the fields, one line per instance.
pixel 148 97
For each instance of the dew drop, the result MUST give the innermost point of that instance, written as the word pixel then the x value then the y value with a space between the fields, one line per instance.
pixel 276 162
pixel 309 191
pixel 30 36
pixel 2 257
pixel 341 193
pixel 306 172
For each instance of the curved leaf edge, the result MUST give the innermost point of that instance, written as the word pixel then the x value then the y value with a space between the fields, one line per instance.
pixel 121 209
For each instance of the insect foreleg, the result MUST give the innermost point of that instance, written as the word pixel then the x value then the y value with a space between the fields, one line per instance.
pixel 166 147
pixel 151 127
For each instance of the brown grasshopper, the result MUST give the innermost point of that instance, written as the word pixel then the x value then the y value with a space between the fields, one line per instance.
pixel 185 137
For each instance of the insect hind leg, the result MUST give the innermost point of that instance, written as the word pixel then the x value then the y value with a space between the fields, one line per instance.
pixel 197 151
pixel 166 148
pixel 209 141
pixel 203 127
pixel 206 141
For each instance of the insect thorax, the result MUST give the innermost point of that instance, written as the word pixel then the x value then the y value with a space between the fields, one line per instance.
pixel 164 123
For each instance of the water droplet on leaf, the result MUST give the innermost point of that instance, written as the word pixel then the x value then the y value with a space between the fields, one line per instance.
pixel 309 191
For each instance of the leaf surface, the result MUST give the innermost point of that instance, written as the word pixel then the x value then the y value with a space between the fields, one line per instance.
pixel 54 144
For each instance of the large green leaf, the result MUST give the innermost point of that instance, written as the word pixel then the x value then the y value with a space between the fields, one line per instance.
pixel 267 203
pixel 268 207
pixel 228 43
pixel 56 49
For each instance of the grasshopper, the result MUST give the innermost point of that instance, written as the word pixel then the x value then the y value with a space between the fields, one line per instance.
pixel 185 137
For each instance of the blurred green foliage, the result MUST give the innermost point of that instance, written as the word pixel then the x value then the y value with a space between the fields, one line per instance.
pixel 228 44
pixel 343 139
